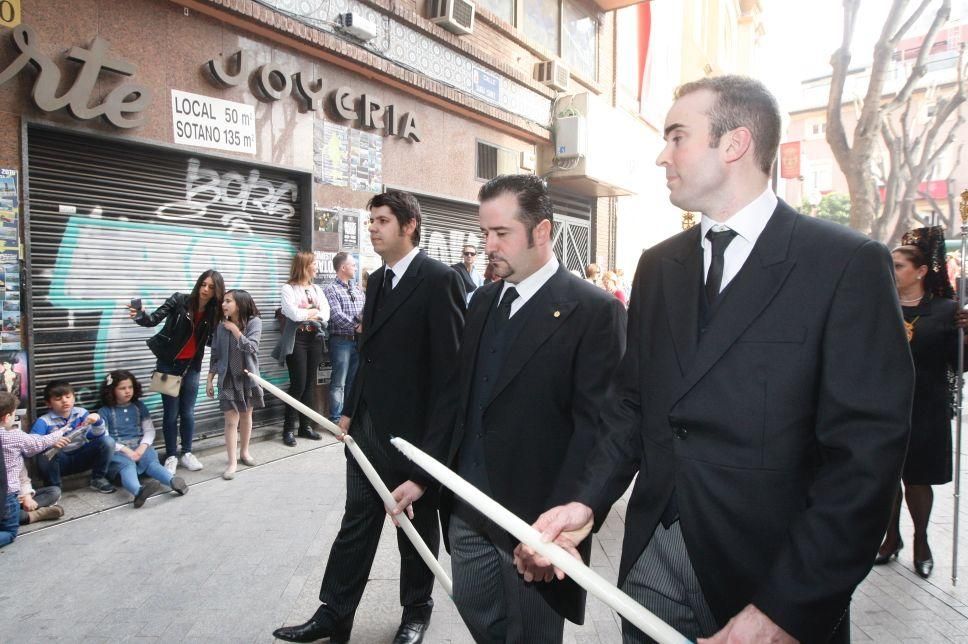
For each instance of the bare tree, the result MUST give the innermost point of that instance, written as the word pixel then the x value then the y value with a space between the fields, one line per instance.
pixel 912 148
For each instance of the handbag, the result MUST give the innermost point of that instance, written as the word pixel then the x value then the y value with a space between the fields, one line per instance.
pixel 168 384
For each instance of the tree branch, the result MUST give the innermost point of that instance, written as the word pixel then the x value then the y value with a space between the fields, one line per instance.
pixel 919 69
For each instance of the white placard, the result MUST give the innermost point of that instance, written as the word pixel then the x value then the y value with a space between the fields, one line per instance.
pixel 209 122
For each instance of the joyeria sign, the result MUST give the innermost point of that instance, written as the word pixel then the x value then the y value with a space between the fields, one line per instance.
pixel 273 82
pixel 122 106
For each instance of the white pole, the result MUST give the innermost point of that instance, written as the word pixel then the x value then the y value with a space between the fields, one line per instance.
pixel 582 574
pixel 371 475
pixel 959 394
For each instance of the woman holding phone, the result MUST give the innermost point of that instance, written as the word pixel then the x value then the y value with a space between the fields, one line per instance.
pixel 180 347
pixel 305 314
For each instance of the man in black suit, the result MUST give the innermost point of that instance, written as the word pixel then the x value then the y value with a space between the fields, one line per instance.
pixel 539 350
pixel 764 399
pixel 468 274
pixel 412 323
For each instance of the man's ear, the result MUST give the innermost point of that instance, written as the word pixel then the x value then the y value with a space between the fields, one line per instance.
pixel 409 227
pixel 738 144
pixel 542 232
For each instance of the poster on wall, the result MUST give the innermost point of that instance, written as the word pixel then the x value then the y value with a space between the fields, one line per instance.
pixel 331 144
pixel 325 230
pixel 366 161
pixel 9 261
pixel 349 227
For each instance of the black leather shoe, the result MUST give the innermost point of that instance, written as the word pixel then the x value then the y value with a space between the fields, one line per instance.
pixel 410 632
pixel 337 632
pixel 288 439
pixel 306 432
pixel 883 558
pixel 924 568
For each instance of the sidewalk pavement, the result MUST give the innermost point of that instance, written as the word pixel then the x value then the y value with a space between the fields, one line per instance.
pixel 233 560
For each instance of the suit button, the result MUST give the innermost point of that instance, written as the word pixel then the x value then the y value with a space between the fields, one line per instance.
pixel 485 378
pixel 369 361
pixel 680 432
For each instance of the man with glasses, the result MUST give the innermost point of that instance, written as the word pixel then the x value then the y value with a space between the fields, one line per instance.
pixel 468 274
pixel 346 307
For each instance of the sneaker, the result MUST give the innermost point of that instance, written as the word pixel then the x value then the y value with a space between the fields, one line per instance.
pixel 189 462
pixel 171 464
pixel 178 485
pixel 145 492
pixel 102 485
pixel 46 514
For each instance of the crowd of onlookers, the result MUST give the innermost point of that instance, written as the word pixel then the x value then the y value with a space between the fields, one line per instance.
pixel 612 281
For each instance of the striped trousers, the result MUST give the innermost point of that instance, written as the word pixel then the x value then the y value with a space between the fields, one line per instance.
pixel 352 554
pixel 494 601
pixel 664 581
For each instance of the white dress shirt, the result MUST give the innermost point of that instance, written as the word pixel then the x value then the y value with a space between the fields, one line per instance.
pixel 402 265
pixel 748 223
pixel 527 287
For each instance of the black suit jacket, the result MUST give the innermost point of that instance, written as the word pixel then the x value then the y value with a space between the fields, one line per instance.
pixel 408 358
pixel 469 285
pixel 782 430
pixel 541 420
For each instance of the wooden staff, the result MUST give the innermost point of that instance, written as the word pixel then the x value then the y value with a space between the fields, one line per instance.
pixel 959 396
pixel 582 574
pixel 371 475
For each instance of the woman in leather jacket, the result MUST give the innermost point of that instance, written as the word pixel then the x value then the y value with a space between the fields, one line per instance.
pixel 180 347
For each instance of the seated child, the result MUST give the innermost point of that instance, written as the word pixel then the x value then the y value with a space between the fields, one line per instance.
pixel 90 448
pixel 38 505
pixel 129 424
pixel 16 445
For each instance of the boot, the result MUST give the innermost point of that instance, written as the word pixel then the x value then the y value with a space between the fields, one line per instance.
pixel 50 513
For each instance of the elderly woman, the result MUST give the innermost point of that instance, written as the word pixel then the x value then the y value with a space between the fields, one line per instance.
pixel 930 319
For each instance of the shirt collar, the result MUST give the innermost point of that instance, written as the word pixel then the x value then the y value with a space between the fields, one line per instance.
pixel 530 284
pixel 404 263
pixel 749 221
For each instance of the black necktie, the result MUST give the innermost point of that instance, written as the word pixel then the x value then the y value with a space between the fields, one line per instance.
pixel 387 285
pixel 504 308
pixel 714 278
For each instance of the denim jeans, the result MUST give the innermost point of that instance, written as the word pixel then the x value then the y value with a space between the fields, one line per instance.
pixel 129 470
pixel 10 523
pixel 93 455
pixel 182 405
pixel 343 353
pixel 44 498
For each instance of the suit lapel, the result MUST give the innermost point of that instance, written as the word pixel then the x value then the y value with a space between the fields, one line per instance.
pixel 546 312
pixel 753 288
pixel 408 283
pixel 681 277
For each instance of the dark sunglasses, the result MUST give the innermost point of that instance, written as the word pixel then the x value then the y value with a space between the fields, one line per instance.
pixel 466 254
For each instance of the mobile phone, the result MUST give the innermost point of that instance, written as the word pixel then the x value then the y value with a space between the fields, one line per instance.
pixel 136 303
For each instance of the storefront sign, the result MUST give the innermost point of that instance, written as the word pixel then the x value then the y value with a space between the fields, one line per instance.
pixel 123 100
pixel 9 13
pixel 274 82
pixel 212 123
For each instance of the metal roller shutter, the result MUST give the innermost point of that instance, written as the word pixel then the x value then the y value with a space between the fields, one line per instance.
pixel 447 227
pixel 110 221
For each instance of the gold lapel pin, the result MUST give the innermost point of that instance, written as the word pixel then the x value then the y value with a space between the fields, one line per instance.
pixel 557 314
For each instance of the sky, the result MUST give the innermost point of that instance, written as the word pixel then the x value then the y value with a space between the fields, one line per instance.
pixel 801 36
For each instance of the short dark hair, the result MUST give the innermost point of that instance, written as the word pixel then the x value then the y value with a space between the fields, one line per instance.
pixel 8 403
pixel 404 207
pixel 57 388
pixel 339 259
pixel 741 102
pixel 112 380
pixel 534 203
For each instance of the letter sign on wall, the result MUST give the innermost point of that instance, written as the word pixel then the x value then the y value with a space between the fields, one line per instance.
pixel 9 13
pixel 212 123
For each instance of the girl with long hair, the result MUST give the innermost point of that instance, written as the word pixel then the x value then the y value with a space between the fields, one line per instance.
pixel 235 350
pixel 179 348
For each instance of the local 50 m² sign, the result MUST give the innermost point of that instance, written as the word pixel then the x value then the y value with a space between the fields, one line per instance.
pixel 209 122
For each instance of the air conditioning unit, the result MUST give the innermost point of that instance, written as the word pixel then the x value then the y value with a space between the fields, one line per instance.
pixel 356 25
pixel 553 74
pixel 456 16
